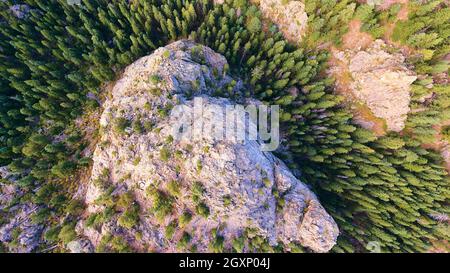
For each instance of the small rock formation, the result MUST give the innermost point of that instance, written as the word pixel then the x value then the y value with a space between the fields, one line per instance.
pixel 16 226
pixel 378 79
pixel 446 155
pixel 242 188
pixel 288 15
pixel 80 246
pixel 20 11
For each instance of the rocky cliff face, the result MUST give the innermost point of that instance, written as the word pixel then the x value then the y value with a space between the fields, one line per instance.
pixel 378 79
pixel 164 193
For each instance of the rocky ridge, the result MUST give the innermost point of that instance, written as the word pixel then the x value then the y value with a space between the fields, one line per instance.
pixel 217 193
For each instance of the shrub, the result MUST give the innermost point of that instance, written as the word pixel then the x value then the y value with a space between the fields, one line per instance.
pixel 226 200
pixel 52 234
pixel 169 139
pixel 136 161
pixel 155 79
pixel 170 230
pixel 125 200
pixel 148 125
pixel 446 133
pixel 119 244
pixel 267 182
pixel 239 244
pixel 162 205
pixel 164 154
pixel 199 165
pixel 216 245
pixel 75 207
pixel 166 54
pixel 67 233
pixel 173 187
pixel 202 210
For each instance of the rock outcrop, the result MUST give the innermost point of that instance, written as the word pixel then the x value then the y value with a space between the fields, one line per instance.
pixel 289 15
pixel 16 226
pixel 21 229
pixel 229 189
pixel 378 79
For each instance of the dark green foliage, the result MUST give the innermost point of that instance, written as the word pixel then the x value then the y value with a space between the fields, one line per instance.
pixel 239 244
pixel 129 218
pixel 202 210
pixel 58 53
pixel 173 187
pixel 217 243
pixel 197 191
pixel 110 243
pixel 446 133
pixel 96 220
pixel 427 30
pixel 52 234
pixel 353 172
pixel 137 126
pixel 130 215
pixel 327 20
pixel 120 245
pixel 164 154
pixel 125 200
pixel 120 124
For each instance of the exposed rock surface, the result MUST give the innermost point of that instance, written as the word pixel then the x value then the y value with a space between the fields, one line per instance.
pixel 20 11
pixel 288 15
pixel 377 78
pixel 242 186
